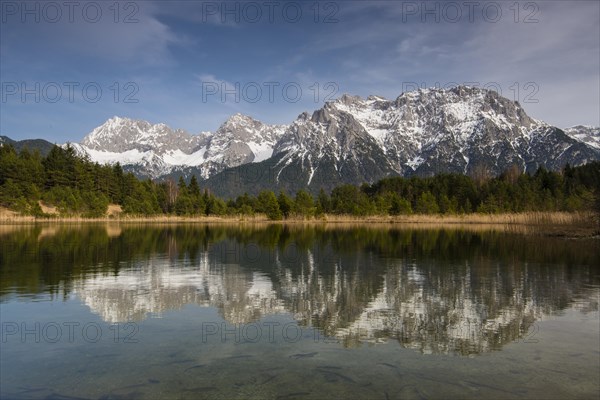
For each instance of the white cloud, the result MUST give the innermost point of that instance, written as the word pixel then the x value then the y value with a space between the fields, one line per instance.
pixel 145 42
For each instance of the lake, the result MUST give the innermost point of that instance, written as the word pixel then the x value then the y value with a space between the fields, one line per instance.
pixel 296 312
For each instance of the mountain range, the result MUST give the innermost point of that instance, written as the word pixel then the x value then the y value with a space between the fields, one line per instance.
pixel 157 150
pixel 40 145
pixel 349 140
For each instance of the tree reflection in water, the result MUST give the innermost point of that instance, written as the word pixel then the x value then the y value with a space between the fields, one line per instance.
pixel 434 290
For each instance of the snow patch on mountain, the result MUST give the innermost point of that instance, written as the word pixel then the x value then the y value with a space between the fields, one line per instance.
pixel 589 135
pixel 133 156
pixel 355 140
pixel 157 150
pixel 424 132
pixel 178 157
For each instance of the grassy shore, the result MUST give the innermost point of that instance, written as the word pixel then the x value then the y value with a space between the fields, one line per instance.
pixel 548 223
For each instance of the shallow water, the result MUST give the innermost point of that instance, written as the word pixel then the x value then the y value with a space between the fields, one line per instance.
pixel 194 311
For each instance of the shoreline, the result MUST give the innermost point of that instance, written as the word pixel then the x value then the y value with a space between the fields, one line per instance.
pixel 576 225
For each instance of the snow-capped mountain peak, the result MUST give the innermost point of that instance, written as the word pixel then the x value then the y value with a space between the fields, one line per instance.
pixel 587 134
pixel 156 149
pixel 123 134
pixel 424 132
pixel 355 140
pixel 240 140
pixel 420 120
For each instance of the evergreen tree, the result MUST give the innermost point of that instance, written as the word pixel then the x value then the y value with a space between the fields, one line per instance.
pixel 400 206
pixel 59 166
pixel 215 206
pixel 76 185
pixel 426 204
pixel 184 205
pixel 116 184
pixel 183 189
pixel 285 204
pixel 193 188
pixel 303 204
pixel 323 202
pixel 267 203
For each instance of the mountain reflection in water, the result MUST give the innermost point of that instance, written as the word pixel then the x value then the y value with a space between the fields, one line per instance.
pixel 436 291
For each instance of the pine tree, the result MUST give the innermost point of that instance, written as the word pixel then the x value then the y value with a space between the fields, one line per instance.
pixel 323 202
pixel 285 204
pixel 426 204
pixel 267 203
pixel 193 188
pixel 182 186
pixel 303 204
pixel 400 206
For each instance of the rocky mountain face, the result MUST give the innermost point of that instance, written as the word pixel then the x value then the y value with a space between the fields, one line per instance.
pixel 240 140
pixel 119 135
pixel 350 140
pixel 587 134
pixel 157 150
pixel 462 130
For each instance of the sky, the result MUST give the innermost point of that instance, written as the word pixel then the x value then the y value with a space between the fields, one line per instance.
pixel 68 66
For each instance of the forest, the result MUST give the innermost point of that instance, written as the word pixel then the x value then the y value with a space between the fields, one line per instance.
pixel 77 186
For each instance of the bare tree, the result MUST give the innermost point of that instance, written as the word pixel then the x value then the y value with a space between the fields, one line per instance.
pixel 480 174
pixel 172 191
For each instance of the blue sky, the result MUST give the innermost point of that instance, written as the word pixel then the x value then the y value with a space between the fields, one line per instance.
pixel 191 64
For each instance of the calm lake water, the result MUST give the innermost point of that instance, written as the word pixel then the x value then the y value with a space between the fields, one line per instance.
pixel 278 312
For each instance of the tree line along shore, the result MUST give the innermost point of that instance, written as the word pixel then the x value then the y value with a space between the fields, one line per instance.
pixel 64 185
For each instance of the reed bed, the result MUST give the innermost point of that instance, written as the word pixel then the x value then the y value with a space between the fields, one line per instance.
pixel 552 223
